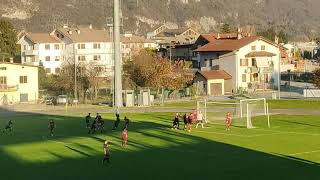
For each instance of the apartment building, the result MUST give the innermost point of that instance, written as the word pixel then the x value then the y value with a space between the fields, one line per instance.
pixel 88 46
pixel 131 44
pixel 42 49
pixel 84 45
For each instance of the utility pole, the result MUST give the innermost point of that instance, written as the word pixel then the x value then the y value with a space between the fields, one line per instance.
pixel 75 74
pixel 117 55
pixel 279 78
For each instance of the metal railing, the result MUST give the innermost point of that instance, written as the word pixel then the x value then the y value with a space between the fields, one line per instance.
pixel 8 88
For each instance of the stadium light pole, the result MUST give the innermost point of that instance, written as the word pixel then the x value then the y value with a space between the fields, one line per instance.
pixel 117 55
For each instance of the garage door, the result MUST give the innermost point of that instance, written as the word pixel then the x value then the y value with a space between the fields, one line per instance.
pixel 23 98
pixel 216 89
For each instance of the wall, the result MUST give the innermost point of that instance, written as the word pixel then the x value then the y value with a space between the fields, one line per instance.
pixel 228 64
pixel 201 80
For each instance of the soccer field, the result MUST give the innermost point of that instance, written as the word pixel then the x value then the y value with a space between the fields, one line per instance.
pixel 289 150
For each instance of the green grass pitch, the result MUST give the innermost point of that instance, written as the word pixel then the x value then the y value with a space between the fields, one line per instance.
pixel 289 150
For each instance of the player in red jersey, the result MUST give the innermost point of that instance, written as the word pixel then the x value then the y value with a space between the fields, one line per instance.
pixel 124 137
pixel 228 121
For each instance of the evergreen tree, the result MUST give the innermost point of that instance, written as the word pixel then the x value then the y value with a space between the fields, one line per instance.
pixel 8 38
pixel 226 28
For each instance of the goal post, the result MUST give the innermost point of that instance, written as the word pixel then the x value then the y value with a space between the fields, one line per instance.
pixel 249 113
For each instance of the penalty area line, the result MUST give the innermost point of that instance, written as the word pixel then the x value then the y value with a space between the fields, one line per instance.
pixel 227 134
pixel 307 152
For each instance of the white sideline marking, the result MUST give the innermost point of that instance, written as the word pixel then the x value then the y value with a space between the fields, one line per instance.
pixel 228 134
pixel 289 132
pixel 271 134
pixel 307 152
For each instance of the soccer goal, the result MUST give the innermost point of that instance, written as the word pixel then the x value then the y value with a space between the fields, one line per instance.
pixel 249 113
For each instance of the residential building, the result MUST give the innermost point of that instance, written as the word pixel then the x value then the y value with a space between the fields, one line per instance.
pixel 156 30
pixel 252 61
pixel 214 82
pixel 131 44
pixel 84 45
pixel 42 49
pixel 88 46
pixel 18 83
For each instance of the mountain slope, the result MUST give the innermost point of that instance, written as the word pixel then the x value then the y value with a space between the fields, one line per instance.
pixel 298 17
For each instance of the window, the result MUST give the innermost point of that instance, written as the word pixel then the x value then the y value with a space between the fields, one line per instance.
pixel 81 46
pixel 254 62
pixel 244 78
pixel 57 58
pixel 263 47
pixel 81 58
pixel 243 62
pixel 3 80
pixel 96 46
pixel 47 46
pixel 33 59
pixel 97 57
pixel 48 70
pixel 23 79
pixel 24 47
pixel 47 58
pixel 57 70
pixel 253 48
pixel 56 46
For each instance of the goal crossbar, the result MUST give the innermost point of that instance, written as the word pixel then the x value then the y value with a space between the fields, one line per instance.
pixel 253 100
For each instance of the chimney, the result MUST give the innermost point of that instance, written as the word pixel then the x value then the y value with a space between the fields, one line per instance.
pixel 239 33
pixel 276 39
pixel 78 31
pixel 90 26
pixel 70 32
pixel 218 36
pixel 65 26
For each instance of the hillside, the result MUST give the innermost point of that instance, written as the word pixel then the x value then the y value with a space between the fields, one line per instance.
pixel 298 17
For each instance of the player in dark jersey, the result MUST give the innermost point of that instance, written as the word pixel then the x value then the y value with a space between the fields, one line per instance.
pixel 117 122
pixel 106 151
pixel 100 125
pixel 176 121
pixel 185 120
pixel 51 127
pixel 189 122
pixel 126 122
pixel 9 127
pixel 88 119
pixel 93 127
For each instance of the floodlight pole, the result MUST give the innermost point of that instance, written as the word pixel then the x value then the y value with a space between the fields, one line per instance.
pixel 117 55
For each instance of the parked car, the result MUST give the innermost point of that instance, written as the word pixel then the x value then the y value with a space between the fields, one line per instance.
pixel 50 100
pixel 62 99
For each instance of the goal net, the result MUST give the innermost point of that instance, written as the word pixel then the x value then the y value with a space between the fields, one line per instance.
pixel 249 113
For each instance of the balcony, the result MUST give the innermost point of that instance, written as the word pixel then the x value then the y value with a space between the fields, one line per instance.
pixel 92 51
pixel 30 52
pixel 8 88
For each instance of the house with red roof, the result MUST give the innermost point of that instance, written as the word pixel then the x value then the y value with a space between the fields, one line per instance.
pixel 251 61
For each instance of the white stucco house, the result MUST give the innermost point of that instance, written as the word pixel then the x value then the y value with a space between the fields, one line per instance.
pixel 87 45
pixel 251 61
pixel 68 45
pixel 18 83
pixel 42 49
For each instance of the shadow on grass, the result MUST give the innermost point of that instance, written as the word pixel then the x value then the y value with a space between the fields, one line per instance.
pixel 156 153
